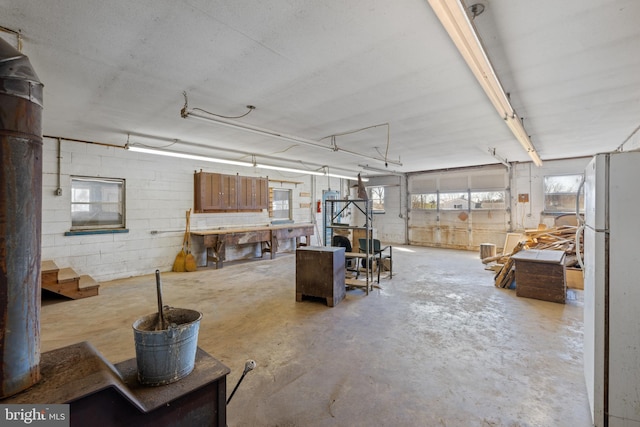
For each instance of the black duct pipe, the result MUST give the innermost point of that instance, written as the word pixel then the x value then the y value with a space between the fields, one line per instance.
pixel 20 221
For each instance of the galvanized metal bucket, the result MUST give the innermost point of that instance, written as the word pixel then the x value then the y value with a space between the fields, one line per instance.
pixel 167 355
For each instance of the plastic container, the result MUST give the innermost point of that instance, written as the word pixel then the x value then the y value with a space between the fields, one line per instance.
pixel 165 356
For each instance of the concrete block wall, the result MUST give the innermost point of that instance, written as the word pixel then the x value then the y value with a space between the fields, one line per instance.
pixel 528 179
pixel 159 191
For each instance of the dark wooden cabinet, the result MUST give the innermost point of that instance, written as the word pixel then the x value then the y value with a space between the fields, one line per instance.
pixel 320 272
pixel 253 193
pixel 215 192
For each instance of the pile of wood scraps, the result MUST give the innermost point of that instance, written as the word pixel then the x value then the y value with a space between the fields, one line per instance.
pixel 557 238
pixel 505 275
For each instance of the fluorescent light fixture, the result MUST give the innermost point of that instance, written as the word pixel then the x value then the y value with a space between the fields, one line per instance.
pixel 280 168
pixel 231 162
pixel 187 156
pixel 271 133
pixel 453 17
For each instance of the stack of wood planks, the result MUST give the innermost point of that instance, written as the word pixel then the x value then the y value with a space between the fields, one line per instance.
pixel 557 238
pixel 505 275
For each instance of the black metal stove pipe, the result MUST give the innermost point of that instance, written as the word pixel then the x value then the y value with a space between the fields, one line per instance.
pixel 20 221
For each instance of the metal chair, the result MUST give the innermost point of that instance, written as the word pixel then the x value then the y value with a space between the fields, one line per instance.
pixel 378 254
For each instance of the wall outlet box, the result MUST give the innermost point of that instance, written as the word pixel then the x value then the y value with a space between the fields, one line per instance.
pixel 523 198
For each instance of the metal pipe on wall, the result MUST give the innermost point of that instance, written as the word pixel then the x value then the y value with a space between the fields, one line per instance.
pixel 20 221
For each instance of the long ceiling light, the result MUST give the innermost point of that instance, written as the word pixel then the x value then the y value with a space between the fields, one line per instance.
pixel 186 113
pixel 284 169
pixel 233 162
pixel 455 20
pixel 186 156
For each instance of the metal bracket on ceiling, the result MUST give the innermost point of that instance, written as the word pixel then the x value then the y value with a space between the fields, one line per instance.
pixel 502 160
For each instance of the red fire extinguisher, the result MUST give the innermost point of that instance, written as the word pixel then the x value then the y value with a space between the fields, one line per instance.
pixel 319 206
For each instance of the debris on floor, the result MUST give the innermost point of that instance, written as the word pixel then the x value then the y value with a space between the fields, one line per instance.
pixel 557 238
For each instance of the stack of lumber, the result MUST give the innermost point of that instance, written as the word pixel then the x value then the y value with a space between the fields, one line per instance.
pixel 561 238
pixel 504 277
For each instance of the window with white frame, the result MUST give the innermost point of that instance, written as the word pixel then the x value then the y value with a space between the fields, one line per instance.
pixel 97 203
pixel 281 203
pixel 560 192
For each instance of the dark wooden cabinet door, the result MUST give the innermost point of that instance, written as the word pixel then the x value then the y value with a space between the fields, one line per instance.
pixel 262 193
pixel 245 193
pixel 228 191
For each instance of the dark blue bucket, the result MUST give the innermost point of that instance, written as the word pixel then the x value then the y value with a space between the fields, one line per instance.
pixel 167 355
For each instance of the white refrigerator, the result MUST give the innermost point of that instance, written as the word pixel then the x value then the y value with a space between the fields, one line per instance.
pixel 612 288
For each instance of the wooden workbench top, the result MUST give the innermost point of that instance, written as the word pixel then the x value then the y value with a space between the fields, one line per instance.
pixel 250 228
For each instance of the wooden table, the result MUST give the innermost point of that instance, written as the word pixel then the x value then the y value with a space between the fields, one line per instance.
pixel 215 241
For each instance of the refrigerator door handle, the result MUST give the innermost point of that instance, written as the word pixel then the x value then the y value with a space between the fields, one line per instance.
pixel 579 232
pixel 578 216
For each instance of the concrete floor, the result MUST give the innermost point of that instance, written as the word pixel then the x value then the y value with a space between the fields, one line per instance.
pixel 437 345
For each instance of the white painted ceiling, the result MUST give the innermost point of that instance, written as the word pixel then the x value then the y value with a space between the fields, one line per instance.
pixel 319 68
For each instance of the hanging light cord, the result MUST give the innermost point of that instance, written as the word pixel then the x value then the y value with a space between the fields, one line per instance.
pixel 186 106
pixel 175 141
pixel 386 152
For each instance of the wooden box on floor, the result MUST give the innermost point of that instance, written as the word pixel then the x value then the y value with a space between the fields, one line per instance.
pixel 320 272
pixel 540 274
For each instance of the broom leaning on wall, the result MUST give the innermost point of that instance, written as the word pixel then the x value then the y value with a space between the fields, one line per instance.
pixel 180 263
pixel 189 260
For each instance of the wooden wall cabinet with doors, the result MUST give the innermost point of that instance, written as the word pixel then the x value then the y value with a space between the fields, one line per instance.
pixel 215 192
pixel 253 193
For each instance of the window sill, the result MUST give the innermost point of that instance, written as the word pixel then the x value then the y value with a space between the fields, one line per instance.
pixel 88 232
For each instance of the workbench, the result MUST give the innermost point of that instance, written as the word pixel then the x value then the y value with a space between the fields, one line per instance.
pixel 216 241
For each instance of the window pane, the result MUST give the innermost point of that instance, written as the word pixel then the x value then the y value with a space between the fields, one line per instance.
pixel 97 203
pixel 281 203
pixel 454 201
pixel 560 193
pixel 424 201
pixel 377 198
pixel 487 200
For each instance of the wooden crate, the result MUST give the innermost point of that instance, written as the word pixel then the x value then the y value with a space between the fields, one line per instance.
pixel 540 274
